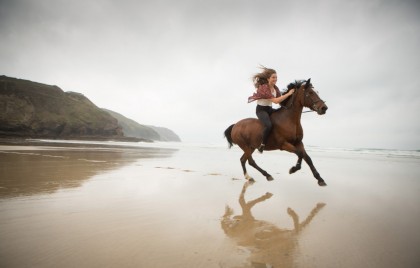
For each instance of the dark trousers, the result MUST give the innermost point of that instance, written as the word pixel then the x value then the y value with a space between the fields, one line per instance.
pixel 263 114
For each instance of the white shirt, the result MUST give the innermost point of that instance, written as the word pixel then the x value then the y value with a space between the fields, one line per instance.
pixel 266 102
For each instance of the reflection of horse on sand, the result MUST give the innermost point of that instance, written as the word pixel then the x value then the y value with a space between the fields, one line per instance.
pixel 267 243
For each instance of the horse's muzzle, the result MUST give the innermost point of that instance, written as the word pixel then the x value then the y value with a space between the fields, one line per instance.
pixel 323 109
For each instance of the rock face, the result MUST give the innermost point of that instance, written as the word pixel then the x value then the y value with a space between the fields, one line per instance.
pixel 133 129
pixel 166 134
pixel 34 110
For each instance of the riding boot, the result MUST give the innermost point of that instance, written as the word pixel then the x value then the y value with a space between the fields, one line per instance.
pixel 266 132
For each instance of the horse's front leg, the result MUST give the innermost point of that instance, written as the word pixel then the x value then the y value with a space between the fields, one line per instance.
pixel 297 167
pixel 308 161
pixel 300 151
pixel 294 149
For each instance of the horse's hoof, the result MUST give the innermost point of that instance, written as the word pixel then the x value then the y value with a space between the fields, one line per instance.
pixel 292 170
pixel 269 178
pixel 322 183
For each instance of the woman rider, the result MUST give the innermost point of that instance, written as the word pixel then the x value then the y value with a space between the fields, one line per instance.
pixel 266 93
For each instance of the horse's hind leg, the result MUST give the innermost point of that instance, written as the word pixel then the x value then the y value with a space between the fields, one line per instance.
pixel 253 164
pixel 244 158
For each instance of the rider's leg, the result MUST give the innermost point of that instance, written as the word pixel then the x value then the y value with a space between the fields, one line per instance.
pixel 263 114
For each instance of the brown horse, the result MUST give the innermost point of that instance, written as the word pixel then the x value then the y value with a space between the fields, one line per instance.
pixel 286 134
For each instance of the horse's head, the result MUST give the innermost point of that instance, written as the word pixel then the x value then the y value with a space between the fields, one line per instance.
pixel 306 96
pixel 312 100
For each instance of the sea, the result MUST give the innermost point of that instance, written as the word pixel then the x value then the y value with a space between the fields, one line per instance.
pixel 393 153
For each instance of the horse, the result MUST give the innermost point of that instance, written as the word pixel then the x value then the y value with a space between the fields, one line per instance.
pixel 287 131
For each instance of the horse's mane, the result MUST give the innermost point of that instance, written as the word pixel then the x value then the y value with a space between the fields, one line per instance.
pixel 296 84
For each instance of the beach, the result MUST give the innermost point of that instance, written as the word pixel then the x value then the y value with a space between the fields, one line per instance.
pixel 116 204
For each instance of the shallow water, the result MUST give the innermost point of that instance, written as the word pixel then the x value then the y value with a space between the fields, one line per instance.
pixel 190 207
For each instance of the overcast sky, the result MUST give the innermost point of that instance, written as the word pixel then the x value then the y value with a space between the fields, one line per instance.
pixel 187 65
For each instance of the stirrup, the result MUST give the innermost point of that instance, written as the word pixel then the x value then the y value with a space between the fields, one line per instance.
pixel 261 148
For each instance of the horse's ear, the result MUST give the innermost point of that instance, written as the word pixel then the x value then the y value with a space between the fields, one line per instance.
pixel 308 83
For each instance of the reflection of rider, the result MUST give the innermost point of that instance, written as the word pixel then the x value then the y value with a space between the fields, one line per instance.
pixel 267 92
pixel 267 243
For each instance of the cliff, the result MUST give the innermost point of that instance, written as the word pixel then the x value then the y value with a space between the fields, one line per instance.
pixel 34 110
pixel 166 134
pixel 133 129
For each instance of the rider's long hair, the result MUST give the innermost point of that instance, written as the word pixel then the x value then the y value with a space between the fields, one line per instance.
pixel 262 78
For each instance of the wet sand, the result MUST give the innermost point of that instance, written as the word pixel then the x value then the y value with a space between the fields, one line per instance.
pixel 107 206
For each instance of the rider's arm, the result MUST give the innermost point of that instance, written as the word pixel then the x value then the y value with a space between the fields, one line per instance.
pixel 282 97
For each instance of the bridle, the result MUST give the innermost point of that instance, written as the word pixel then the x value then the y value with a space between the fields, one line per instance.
pixel 314 102
pixel 306 95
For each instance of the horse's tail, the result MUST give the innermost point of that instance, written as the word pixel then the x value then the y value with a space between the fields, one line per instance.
pixel 228 135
